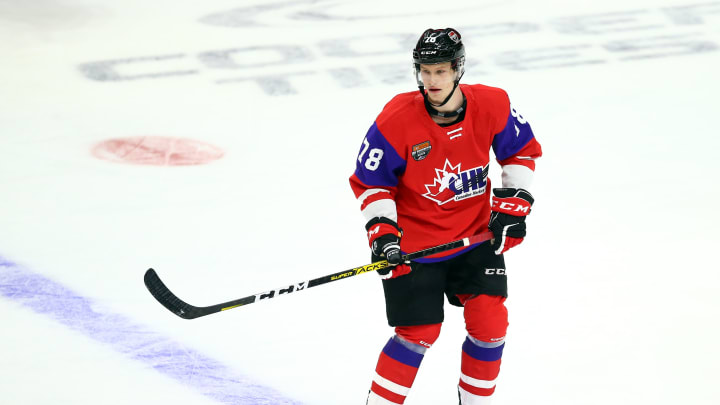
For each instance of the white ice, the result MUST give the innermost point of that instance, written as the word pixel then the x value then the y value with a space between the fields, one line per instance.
pixel 614 295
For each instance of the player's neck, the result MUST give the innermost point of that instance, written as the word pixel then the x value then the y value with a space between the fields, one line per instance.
pixel 455 103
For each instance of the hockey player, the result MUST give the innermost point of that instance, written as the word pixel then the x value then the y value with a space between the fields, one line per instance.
pixel 422 180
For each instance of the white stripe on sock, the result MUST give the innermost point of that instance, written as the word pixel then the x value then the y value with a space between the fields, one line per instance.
pixel 467 398
pixel 391 386
pixel 375 399
pixel 477 383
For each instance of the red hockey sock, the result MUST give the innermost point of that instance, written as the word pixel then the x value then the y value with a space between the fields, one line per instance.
pixel 486 321
pixel 399 363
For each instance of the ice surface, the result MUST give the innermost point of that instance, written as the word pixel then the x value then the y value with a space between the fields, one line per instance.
pixel 613 296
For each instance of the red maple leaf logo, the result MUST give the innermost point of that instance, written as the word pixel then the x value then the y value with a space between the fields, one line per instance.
pixel 440 191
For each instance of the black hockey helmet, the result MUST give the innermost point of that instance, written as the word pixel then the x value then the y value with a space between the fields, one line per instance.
pixel 438 46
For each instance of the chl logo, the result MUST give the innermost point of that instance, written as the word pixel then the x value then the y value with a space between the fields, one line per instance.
pixel 453 184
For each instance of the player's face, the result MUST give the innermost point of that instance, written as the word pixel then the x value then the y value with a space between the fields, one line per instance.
pixel 438 80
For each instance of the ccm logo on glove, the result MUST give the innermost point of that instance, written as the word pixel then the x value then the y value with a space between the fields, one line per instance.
pixel 509 208
pixel 515 207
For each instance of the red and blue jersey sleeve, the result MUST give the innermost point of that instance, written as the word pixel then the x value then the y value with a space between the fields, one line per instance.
pixel 377 172
pixel 515 144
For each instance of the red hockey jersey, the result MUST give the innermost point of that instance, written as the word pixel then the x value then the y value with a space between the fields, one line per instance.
pixel 433 180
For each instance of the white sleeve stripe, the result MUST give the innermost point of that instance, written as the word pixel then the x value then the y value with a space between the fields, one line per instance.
pixel 517 176
pixel 370 192
pixel 525 157
pixel 477 383
pixel 391 386
pixel 381 208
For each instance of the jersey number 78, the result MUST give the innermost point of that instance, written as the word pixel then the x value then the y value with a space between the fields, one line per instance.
pixel 373 159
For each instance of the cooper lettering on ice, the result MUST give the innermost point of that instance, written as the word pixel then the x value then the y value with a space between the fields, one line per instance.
pixel 451 183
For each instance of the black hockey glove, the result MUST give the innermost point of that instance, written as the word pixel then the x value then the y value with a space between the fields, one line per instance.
pixel 384 238
pixel 509 208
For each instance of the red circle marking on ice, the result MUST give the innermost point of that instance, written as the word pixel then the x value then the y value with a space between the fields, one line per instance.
pixel 157 151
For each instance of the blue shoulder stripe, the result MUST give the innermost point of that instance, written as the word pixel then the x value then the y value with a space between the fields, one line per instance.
pixel 516 134
pixel 378 164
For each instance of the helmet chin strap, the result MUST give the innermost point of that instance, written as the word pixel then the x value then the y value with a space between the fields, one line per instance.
pixel 445 114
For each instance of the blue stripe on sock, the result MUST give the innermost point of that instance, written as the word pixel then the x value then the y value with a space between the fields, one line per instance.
pixel 482 353
pixel 399 352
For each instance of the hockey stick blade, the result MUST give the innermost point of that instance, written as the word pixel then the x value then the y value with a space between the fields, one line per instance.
pixel 164 296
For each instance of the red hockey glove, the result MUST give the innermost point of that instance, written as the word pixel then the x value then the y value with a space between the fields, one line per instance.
pixel 384 237
pixel 509 208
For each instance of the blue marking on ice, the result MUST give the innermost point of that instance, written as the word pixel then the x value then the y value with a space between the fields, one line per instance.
pixel 189 367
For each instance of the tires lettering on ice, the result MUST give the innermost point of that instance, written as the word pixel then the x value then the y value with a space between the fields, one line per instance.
pixel 579 40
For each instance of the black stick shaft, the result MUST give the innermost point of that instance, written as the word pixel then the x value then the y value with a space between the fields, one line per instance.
pixel 164 296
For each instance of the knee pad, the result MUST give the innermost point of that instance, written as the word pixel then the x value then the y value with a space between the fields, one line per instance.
pixel 486 318
pixel 424 335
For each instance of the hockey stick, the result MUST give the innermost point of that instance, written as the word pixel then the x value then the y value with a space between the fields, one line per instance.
pixel 186 311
